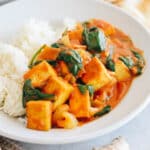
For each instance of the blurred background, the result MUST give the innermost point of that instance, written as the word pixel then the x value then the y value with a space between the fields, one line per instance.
pixel 140 8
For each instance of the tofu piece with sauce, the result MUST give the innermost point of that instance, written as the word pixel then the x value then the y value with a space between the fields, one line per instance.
pixel 39 114
pixel 80 103
pixel 60 88
pixel 96 74
pixel 122 72
pixel 48 53
pixel 40 73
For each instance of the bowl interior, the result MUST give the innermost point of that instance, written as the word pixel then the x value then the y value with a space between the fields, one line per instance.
pixel 54 11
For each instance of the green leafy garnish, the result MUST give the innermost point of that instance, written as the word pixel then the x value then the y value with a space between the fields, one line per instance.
pixel 56 45
pixel 34 56
pixel 104 111
pixel 51 62
pixel 72 59
pixel 137 55
pixel 140 63
pixel 110 64
pixel 84 88
pixel 31 93
pixel 94 38
pixel 127 61
pixel 139 70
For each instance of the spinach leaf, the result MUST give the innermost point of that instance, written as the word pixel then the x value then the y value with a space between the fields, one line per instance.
pixel 30 93
pixel 34 56
pixel 94 39
pixel 83 88
pixel 72 59
pixel 137 55
pixel 51 62
pixel 104 111
pixel 110 64
pixel 127 61
pixel 139 70
pixel 140 63
pixel 56 45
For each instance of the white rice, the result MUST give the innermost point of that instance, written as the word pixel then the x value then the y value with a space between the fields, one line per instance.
pixel 14 61
pixel 33 35
pixel 12 97
pixel 36 33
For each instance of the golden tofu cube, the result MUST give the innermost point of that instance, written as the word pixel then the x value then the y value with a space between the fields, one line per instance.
pixel 48 53
pixel 122 71
pixel 40 73
pixel 39 114
pixel 60 88
pixel 80 103
pixel 96 74
pixel 66 41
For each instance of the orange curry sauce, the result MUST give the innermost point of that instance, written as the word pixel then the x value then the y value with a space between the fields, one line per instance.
pixel 110 86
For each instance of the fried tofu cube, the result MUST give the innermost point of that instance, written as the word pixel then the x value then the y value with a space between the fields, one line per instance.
pixel 122 71
pixel 60 88
pixel 48 53
pixel 96 74
pixel 80 103
pixel 39 114
pixel 40 73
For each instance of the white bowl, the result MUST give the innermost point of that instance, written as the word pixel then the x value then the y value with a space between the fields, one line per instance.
pixel 15 14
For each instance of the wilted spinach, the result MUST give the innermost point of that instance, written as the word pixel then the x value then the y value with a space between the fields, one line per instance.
pixel 56 45
pixel 31 93
pixel 110 64
pixel 140 63
pixel 94 39
pixel 83 88
pixel 51 62
pixel 104 111
pixel 127 61
pixel 72 59
pixel 34 57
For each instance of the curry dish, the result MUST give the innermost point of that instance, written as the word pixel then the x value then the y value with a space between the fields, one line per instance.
pixel 81 77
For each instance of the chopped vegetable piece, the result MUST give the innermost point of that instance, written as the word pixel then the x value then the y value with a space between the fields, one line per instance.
pixel 84 88
pixel 139 66
pixel 94 38
pixel 96 74
pixel 137 55
pixel 57 45
pixel 110 64
pixel 104 111
pixel 66 41
pixel 48 53
pixel 34 56
pixel 80 103
pixel 60 88
pixel 122 71
pixel 72 59
pixel 67 121
pixel 58 112
pixel 30 93
pixel 39 114
pixel 127 61
pixel 40 73
pixel 51 62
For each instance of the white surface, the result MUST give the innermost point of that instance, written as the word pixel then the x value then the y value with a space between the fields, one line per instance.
pixel 132 104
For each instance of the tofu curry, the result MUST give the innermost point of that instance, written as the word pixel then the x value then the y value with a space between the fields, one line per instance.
pixel 81 77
